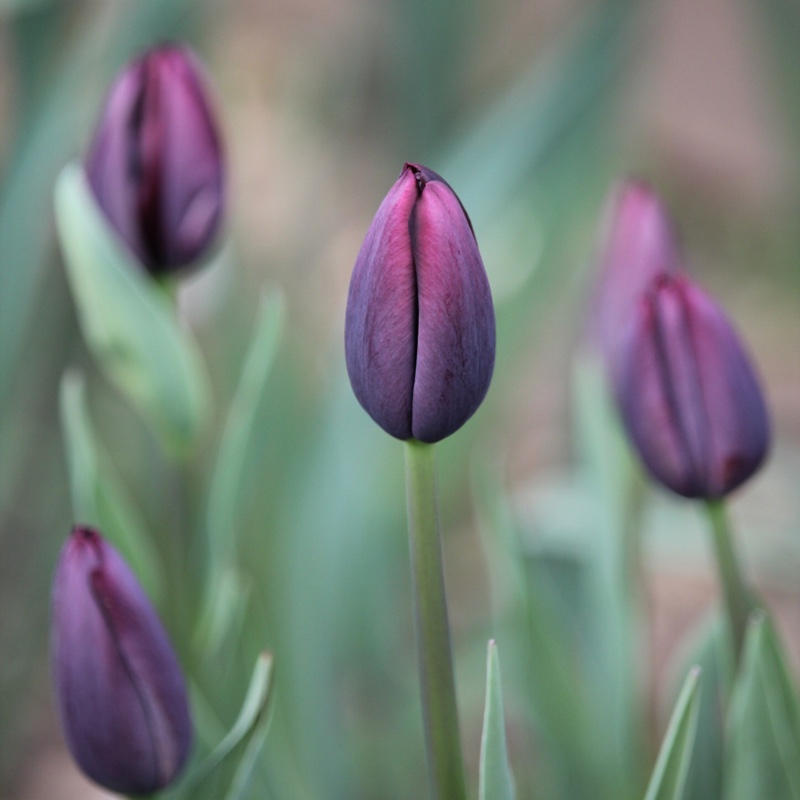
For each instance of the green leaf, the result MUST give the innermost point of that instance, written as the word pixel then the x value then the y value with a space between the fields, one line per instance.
pixel 669 775
pixel 128 322
pixel 223 615
pixel 225 489
pixel 225 596
pixel 763 733
pixel 98 496
pixel 252 717
pixel 247 764
pixel 495 779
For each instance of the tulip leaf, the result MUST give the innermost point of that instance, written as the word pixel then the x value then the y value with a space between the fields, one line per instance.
pixel 495 780
pixel 669 775
pixel 98 497
pixel 247 764
pixel 252 717
pixel 763 733
pixel 225 489
pixel 128 322
pixel 709 647
pixel 224 612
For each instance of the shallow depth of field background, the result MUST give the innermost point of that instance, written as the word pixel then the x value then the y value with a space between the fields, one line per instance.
pixel 530 110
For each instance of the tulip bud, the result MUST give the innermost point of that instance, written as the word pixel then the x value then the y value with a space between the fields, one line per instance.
pixel 639 244
pixel 155 163
pixel 118 685
pixel 688 395
pixel 419 329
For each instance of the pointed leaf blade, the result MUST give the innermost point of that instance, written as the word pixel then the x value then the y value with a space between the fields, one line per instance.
pixel 763 734
pixel 495 779
pixel 669 775
pixel 251 715
pixel 128 322
pixel 224 493
pixel 98 496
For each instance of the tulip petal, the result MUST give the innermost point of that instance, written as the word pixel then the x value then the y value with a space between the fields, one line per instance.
pixel 381 320
pixel 456 332
pixel 738 420
pixel 688 395
pixel 110 172
pixel 419 329
pixel 156 163
pixel 639 245
pixel 119 687
pixel 193 180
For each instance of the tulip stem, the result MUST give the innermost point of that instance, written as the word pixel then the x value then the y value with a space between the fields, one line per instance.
pixel 169 285
pixel 738 601
pixel 437 681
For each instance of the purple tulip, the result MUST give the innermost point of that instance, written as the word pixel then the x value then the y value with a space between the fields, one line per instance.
pixel 688 395
pixel 155 163
pixel 639 244
pixel 119 688
pixel 419 330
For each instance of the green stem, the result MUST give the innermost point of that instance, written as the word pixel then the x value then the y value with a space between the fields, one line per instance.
pixel 169 285
pixel 179 519
pixel 437 682
pixel 738 601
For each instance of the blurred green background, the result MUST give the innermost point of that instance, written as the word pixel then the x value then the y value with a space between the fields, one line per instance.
pixel 530 111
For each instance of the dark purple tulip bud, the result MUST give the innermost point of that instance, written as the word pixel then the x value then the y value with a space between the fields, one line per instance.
pixel 155 163
pixel 688 395
pixel 119 688
pixel 638 244
pixel 419 330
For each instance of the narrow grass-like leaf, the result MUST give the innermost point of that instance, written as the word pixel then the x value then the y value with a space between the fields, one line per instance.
pixel 225 490
pixel 226 604
pixel 709 647
pixel 669 775
pixel 253 711
pixel 244 770
pixel 763 732
pixel 128 322
pixel 98 496
pixel 495 781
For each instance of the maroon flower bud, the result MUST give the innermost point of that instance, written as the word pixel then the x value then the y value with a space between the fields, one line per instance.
pixel 155 163
pixel 119 689
pixel 419 330
pixel 688 395
pixel 638 244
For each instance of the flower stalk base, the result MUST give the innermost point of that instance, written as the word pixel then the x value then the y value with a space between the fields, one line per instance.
pixel 437 682
pixel 738 601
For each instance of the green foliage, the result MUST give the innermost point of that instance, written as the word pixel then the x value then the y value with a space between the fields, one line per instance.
pixel 224 596
pixel 495 781
pixel 281 524
pixel 129 322
pixel 669 774
pixel 98 497
pixel 250 726
pixel 763 726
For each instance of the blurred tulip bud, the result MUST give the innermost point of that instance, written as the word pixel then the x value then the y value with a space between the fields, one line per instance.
pixel 155 163
pixel 419 330
pixel 119 688
pixel 638 244
pixel 688 395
